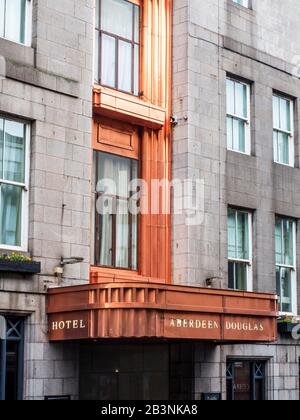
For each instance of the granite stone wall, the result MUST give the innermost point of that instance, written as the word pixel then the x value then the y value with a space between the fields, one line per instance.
pixel 49 85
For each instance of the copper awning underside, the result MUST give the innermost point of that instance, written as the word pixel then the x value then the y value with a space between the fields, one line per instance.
pixel 149 310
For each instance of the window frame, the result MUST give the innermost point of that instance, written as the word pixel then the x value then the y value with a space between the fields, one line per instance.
pixel 293 267
pixel 27 25
pixel 248 262
pixel 254 377
pixel 291 133
pixel 17 325
pixel 25 189
pixel 246 120
pixel 118 39
pixel 96 237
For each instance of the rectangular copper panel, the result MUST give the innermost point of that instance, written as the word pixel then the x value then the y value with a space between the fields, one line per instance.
pixel 116 137
pixel 69 326
pixel 192 326
pixel 238 328
pixel 195 301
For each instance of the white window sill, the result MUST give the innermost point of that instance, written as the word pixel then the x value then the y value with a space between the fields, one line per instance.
pixel 289 314
pixel 16 42
pixel 9 249
pixel 284 164
pixel 237 151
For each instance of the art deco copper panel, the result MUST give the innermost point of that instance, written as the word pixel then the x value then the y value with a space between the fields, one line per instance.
pixel 145 310
pixel 116 137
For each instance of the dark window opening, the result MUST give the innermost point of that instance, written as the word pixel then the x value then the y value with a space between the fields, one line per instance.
pixel 12 361
pixel 246 380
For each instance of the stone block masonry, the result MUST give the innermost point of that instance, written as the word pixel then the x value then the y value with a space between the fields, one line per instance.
pixel 49 85
pixel 213 39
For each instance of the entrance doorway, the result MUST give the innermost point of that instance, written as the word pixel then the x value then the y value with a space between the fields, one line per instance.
pixel 136 372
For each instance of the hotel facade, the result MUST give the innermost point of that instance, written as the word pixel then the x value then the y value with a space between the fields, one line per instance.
pixel 149 199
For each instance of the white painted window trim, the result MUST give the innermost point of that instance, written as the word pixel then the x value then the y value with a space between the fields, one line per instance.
pixel 290 134
pixel 247 120
pixel 249 261
pixel 293 273
pixel 25 193
pixel 28 26
pixel 28 23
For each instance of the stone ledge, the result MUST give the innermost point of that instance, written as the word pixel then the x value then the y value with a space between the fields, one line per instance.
pixel 258 55
pixel 39 78
pixel 17 52
pixel 116 104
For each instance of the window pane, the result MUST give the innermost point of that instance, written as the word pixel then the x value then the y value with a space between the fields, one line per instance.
pixel 275 145
pixel 14 152
pixel 239 140
pixel 136 23
pixel 116 170
pixel 122 235
pixel 1 146
pixel 242 137
pixel 278 284
pixel 286 290
pixel 11 205
pixel 125 66
pixel 243 236
pixel 241 270
pixel 2 14
pixel 15 20
pixel 134 241
pixel 241 100
pixel 106 252
pixel 230 96
pixel 134 216
pixel 231 234
pixel 118 230
pixel 108 60
pixel 97 17
pixel 122 176
pixel 288 242
pixel 230 132
pixel 276 114
pixel 283 148
pixel 231 275
pixel 284 237
pixel 285 119
pixel 278 241
pixel 117 17
pixel 136 69
pixel 236 134
pixel 96 56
